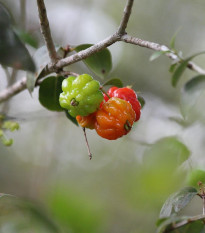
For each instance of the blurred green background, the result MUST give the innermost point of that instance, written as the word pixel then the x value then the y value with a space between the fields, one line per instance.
pixel 125 184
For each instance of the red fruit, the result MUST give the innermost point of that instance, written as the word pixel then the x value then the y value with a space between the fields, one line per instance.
pixel 127 94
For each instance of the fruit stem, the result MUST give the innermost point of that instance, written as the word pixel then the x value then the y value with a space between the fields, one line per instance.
pixel 105 92
pixel 87 144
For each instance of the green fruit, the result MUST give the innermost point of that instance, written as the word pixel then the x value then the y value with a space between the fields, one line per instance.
pixel 195 176
pixel 81 95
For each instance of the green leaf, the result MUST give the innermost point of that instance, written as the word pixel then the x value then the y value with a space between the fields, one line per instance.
pixel 5 17
pixel 173 39
pixel 167 150
pixel 141 100
pixel 160 163
pixel 192 103
pixel 157 54
pixel 173 67
pixel 114 82
pixel 99 63
pixel 194 83
pixel 73 119
pixel 41 59
pixel 181 68
pixel 177 201
pixel 27 38
pixel 13 53
pixel 49 92
pixel 196 176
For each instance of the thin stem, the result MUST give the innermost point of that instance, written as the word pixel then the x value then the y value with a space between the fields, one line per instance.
pixel 45 30
pixel 101 88
pixel 87 144
pixel 125 18
pixel 203 198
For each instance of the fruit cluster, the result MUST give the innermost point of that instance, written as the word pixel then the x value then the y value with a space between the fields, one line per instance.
pixel 111 114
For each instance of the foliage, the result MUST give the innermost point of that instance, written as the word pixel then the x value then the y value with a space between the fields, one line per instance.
pixel 163 168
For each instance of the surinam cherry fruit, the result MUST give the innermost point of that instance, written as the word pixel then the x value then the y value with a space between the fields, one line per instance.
pixel 114 119
pixel 127 94
pixel 81 95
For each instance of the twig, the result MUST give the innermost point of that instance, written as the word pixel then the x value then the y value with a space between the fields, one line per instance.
pixel 45 30
pixel 157 47
pixel 87 144
pixel 186 221
pixel 13 90
pixel 82 54
pixel 125 18
pixel 58 66
pixel 21 86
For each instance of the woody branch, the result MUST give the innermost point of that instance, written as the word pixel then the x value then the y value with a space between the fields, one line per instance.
pixel 119 35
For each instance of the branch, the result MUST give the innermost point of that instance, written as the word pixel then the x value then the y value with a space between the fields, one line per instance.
pixel 82 54
pixel 126 16
pixel 57 65
pixel 13 90
pixel 21 86
pixel 45 30
pixel 184 222
pixel 158 47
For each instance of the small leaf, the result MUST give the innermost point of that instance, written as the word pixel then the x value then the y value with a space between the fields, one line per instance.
pixel 41 59
pixel 194 82
pixel 167 149
pixel 27 38
pixel 7 142
pixel 10 125
pixel 5 17
pixel 49 92
pixel 13 53
pixel 177 201
pixel 160 164
pixel 157 54
pixel 141 100
pixel 114 82
pixel 173 67
pixel 160 221
pixel 196 176
pixel 30 81
pixel 99 63
pixel 73 119
pixel 181 68
pixel 173 39
pixel 192 99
